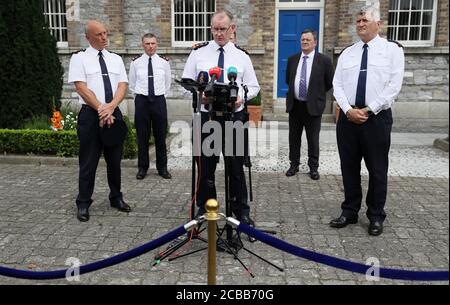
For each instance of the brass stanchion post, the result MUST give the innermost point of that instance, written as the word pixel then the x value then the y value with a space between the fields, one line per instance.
pixel 211 215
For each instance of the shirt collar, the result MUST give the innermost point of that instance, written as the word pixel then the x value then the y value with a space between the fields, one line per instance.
pixel 310 55
pixel 371 43
pixel 147 57
pixel 92 51
pixel 226 47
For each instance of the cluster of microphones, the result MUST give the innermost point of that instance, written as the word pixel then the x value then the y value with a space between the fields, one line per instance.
pixel 206 80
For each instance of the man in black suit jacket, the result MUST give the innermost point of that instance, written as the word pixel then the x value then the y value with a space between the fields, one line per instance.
pixel 309 76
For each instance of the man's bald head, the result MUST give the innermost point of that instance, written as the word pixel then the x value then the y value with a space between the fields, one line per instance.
pixel 96 34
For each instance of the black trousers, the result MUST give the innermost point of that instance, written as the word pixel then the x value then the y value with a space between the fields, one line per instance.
pixel 237 185
pixel 371 141
pixel 300 119
pixel 91 148
pixel 148 115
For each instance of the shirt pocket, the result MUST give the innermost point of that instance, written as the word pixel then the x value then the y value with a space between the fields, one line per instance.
pixel 159 78
pixel 379 68
pixel 114 74
pixel 92 72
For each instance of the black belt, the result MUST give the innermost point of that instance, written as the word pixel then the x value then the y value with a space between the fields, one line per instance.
pixel 146 96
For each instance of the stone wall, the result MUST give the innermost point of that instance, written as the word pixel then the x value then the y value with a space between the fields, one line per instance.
pixel 423 100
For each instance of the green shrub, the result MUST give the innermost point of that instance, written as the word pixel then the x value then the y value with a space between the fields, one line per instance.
pixel 256 101
pixel 63 143
pixel 31 75
pixel 41 122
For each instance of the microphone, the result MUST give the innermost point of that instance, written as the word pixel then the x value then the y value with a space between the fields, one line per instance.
pixel 215 74
pixel 232 74
pixel 234 89
pixel 202 80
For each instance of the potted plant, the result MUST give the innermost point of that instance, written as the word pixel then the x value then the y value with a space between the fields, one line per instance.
pixel 255 110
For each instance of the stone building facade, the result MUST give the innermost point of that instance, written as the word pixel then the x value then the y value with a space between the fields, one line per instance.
pixel 422 104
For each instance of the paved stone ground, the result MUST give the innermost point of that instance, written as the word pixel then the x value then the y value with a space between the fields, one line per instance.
pixel 39 231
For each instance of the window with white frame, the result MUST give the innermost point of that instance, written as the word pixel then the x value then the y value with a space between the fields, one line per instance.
pixel 412 22
pixel 55 17
pixel 191 21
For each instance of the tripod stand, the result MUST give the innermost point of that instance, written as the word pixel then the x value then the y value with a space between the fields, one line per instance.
pixel 230 244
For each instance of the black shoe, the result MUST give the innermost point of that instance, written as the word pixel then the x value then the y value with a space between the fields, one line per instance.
pixel 375 228
pixel 247 220
pixel 292 170
pixel 141 174
pixel 121 205
pixel 165 174
pixel 83 214
pixel 342 221
pixel 314 175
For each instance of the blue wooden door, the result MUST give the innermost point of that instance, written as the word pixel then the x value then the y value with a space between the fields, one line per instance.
pixel 291 25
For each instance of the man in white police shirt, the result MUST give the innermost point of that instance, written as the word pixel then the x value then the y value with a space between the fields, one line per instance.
pixel 101 82
pixel 150 78
pixel 368 78
pixel 221 52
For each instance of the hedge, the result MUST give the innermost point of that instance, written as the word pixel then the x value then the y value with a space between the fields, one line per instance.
pixel 47 142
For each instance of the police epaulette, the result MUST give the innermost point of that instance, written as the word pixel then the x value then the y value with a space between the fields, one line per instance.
pixel 163 57
pixel 242 49
pixel 396 42
pixel 136 57
pixel 78 51
pixel 346 48
pixel 114 52
pixel 200 45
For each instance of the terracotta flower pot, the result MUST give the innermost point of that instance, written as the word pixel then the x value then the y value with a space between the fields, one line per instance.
pixel 255 114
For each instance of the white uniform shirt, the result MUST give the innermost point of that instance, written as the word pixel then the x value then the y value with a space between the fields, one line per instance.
pixel 309 62
pixel 85 67
pixel 385 69
pixel 207 57
pixel 139 75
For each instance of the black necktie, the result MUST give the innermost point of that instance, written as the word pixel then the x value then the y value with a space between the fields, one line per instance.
pixel 106 80
pixel 360 100
pixel 220 65
pixel 151 85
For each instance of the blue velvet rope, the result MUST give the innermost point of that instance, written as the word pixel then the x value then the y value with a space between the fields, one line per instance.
pixel 58 274
pixel 397 274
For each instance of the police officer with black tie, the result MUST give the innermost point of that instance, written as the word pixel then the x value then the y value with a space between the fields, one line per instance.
pixel 223 53
pixel 101 82
pixel 368 78
pixel 150 79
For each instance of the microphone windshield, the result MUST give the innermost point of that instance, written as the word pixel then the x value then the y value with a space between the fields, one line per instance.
pixel 202 78
pixel 216 71
pixel 232 73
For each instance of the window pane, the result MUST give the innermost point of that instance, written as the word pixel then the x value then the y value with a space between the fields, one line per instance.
pixel 200 5
pixel 199 20
pixel 393 4
pixel 179 35
pixel 416 5
pixel 427 17
pixel 404 19
pixel 189 35
pixel 189 20
pixel 414 33
pixel 392 19
pixel 178 5
pixel 402 33
pixel 178 20
pixel 428 4
pixel 426 33
pixel 199 34
pixel 390 33
pixel 415 18
pixel 404 4
pixel 189 6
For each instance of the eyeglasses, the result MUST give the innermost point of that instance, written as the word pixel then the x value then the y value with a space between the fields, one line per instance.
pixel 220 30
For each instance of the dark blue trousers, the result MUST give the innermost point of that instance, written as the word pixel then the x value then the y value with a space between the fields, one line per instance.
pixel 148 115
pixel 371 141
pixel 91 148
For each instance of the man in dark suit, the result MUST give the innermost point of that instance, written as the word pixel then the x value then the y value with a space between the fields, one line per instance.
pixel 309 76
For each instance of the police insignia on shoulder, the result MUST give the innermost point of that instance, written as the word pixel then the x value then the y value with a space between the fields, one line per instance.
pixel 136 57
pixel 200 45
pixel 242 49
pixel 78 51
